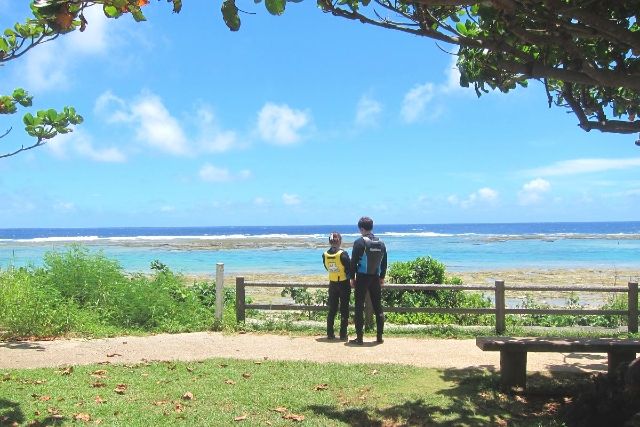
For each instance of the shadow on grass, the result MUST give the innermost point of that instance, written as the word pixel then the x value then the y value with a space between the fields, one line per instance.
pixel 10 413
pixel 473 400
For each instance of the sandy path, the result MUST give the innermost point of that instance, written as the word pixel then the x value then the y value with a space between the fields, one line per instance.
pixel 433 353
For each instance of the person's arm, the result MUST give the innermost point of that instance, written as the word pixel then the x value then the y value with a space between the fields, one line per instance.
pixel 383 264
pixel 344 258
pixel 324 264
pixel 356 256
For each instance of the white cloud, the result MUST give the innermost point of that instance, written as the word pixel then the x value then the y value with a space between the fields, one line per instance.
pixel 415 102
pixel 64 207
pixel 281 125
pixel 290 199
pixel 47 67
pixel 213 139
pixel 157 127
pixel 532 191
pixel 578 166
pixel 368 111
pixel 80 144
pixel 94 38
pixel 484 195
pixel 259 201
pixel 210 173
pixel 112 107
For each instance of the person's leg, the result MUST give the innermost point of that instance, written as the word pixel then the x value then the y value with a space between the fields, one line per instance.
pixel 376 303
pixel 360 293
pixel 345 294
pixel 334 294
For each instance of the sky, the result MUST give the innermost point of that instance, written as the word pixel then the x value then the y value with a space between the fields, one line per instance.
pixel 305 118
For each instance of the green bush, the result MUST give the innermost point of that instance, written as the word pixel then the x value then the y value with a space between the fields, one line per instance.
pixel 29 307
pixel 430 271
pixel 78 291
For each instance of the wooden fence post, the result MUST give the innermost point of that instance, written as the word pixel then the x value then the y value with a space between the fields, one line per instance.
pixel 219 290
pixel 500 306
pixel 632 322
pixel 240 301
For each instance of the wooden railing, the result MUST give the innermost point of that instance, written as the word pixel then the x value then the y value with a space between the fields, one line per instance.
pixel 499 310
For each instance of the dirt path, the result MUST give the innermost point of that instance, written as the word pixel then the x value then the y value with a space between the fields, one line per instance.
pixel 434 353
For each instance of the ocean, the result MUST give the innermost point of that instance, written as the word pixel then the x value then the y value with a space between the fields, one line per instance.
pixel 297 249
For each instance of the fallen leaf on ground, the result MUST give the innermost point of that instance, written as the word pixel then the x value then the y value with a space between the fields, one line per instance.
pixel 160 402
pixel 293 417
pixel 321 387
pixel 189 369
pixel 82 417
pixel 113 354
pixel 98 384
pixel 188 396
pixel 44 398
pixel 120 388
pixel 240 418
pixel 280 409
pixel 178 408
pixel 67 371
pixel 231 382
pixel 374 372
pixel 99 400
pixel 223 365
pixel 257 362
pixel 100 373
pixel 246 375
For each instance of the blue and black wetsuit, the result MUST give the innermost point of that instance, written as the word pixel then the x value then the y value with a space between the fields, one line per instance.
pixel 369 263
pixel 339 292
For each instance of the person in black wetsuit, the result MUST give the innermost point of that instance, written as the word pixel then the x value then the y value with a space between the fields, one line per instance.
pixel 369 264
pixel 337 263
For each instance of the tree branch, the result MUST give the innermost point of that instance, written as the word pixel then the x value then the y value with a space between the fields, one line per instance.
pixel 23 148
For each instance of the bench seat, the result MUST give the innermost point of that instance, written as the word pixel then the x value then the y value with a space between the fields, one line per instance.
pixel 513 352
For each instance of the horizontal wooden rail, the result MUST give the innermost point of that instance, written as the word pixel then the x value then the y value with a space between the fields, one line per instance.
pixel 499 309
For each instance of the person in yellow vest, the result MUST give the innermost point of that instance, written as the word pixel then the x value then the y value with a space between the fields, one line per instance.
pixel 337 263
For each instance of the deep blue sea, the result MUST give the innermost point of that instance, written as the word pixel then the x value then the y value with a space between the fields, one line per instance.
pixel 297 249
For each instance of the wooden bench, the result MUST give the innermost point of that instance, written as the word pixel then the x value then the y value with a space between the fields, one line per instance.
pixel 513 353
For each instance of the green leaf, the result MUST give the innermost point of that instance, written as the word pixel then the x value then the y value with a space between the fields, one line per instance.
pixel 138 15
pixel 462 29
pixel 230 15
pixel 4 46
pixel 52 115
pixel 111 11
pixel 275 7
pixel 29 120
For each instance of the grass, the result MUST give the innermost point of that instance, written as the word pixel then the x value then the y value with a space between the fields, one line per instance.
pixel 229 392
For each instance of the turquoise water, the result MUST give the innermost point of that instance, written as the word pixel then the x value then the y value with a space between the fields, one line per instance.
pixel 297 250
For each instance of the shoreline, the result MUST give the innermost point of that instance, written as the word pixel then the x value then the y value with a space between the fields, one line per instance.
pixel 511 276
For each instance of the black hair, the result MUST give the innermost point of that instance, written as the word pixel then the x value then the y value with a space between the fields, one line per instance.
pixel 365 223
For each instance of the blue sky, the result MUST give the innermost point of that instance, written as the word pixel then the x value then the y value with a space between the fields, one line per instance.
pixel 300 119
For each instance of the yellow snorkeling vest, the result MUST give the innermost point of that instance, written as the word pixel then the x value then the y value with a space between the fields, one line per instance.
pixel 334 266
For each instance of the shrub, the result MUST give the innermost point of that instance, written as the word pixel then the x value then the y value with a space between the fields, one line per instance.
pixel 429 271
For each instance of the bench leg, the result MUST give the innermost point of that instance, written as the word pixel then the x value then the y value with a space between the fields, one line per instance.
pixel 513 369
pixel 618 357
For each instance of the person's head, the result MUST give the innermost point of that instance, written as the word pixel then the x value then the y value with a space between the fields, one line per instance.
pixel 365 224
pixel 335 239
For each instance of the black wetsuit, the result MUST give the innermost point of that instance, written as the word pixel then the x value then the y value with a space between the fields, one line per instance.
pixel 369 264
pixel 339 293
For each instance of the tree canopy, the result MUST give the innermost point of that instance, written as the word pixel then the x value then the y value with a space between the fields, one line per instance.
pixel 586 53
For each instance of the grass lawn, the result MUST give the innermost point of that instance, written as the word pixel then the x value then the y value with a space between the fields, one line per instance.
pixel 222 392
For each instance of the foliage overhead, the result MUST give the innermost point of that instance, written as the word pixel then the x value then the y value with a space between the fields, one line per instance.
pixel 50 19
pixel 585 52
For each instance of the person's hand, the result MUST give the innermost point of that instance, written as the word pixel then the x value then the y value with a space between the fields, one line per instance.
pixel 352 282
pixel 381 282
